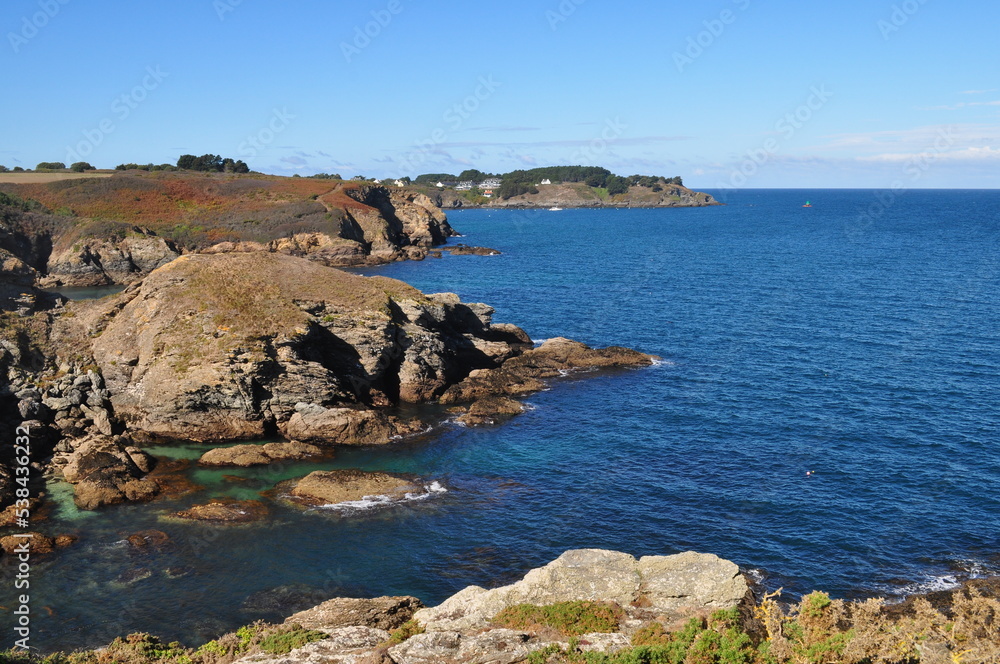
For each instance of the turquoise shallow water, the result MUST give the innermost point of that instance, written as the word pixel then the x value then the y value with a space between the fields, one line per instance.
pixel 793 340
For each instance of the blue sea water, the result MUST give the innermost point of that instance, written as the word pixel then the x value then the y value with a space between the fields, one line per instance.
pixel 862 349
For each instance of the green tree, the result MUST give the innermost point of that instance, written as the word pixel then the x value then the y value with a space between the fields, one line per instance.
pixel 50 166
pixel 616 185
pixel 81 166
pixel 4 169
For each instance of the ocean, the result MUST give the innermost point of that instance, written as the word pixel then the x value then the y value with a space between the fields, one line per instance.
pixel 825 414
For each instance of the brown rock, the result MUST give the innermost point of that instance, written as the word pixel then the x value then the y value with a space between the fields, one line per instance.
pixel 341 426
pixel 146 539
pixel 105 472
pixel 560 355
pixel 491 410
pixel 224 510
pixel 341 486
pixel 62 541
pixel 245 456
pixel 37 543
pixel 465 250
pixel 386 613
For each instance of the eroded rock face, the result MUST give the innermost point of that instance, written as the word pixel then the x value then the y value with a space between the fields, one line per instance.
pixel 386 613
pixel 240 346
pixel 108 471
pixel 342 486
pixel 662 585
pixel 100 261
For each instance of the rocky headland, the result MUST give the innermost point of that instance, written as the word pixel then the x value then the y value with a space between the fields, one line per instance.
pixel 116 230
pixel 235 344
pixel 579 195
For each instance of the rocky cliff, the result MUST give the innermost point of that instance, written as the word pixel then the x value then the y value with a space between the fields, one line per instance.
pixel 239 346
pixel 97 239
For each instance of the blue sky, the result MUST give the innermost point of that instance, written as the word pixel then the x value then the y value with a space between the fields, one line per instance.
pixel 726 93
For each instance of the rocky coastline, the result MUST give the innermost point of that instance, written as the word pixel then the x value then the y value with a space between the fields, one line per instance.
pixel 239 343
pixel 599 606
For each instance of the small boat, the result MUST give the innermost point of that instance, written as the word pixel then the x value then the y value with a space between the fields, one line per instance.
pixel 808 204
pixel 555 209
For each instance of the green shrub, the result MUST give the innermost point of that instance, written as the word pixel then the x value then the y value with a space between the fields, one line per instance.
pixel 567 618
pixel 403 632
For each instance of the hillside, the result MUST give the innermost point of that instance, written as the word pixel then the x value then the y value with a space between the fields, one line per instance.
pixel 103 230
pixel 578 195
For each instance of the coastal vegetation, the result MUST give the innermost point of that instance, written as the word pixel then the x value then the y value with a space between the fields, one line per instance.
pixel 963 627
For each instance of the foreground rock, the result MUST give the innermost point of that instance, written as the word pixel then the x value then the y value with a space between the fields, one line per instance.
pixel 386 613
pixel 665 587
pixel 345 486
pixel 108 471
pixel 460 630
pixel 245 456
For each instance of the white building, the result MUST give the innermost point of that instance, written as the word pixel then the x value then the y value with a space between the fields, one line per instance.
pixel 465 186
pixel 546 181
pixel 400 183
pixel 490 183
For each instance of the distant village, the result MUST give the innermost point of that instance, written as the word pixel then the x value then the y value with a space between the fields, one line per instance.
pixel 487 187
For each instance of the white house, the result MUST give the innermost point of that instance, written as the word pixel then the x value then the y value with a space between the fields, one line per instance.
pixel 490 183
pixel 546 181
pixel 465 186
pixel 400 183
pixel 440 185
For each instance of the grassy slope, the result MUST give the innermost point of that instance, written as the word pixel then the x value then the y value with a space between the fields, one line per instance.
pixel 194 209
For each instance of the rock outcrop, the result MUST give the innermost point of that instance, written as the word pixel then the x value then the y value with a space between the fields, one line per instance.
pixel 239 346
pixel 651 587
pixel 386 613
pixel 107 471
pixel 99 261
pixel 461 630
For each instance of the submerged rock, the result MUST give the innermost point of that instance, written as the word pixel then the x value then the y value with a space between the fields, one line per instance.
pixel 341 486
pixel 225 510
pixel 149 539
